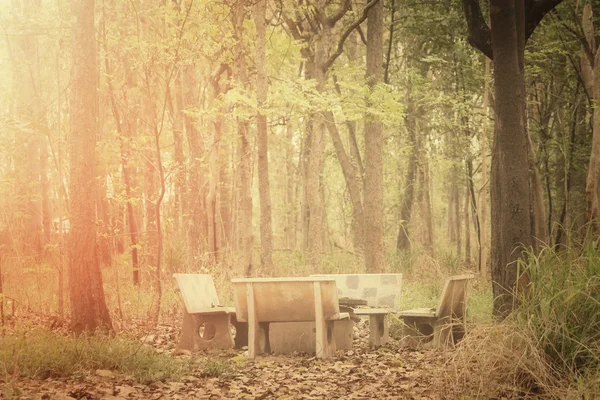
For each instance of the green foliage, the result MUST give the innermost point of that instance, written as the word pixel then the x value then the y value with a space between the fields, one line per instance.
pixel 562 306
pixel 41 354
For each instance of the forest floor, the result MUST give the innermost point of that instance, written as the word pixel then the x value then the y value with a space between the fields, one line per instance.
pixel 362 373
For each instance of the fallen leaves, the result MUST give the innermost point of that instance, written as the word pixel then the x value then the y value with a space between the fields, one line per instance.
pixel 360 373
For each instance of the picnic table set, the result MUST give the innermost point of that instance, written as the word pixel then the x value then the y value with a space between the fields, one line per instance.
pixel 313 314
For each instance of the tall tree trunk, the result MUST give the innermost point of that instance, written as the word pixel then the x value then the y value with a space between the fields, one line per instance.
pixel 88 307
pixel 374 256
pixel 240 74
pixel 403 242
pixel 264 190
pixel 352 180
pixel 510 191
pixel 291 179
pixel 196 196
pixel 179 157
pixel 467 227
pixel 484 251
pixel 592 189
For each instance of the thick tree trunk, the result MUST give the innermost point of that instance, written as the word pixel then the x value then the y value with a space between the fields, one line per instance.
pixel 264 190
pixel 88 307
pixel 374 256
pixel 510 191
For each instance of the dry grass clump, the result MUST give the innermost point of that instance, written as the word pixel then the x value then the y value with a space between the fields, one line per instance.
pixel 498 360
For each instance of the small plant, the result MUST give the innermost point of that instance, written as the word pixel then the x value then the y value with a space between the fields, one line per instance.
pixel 215 367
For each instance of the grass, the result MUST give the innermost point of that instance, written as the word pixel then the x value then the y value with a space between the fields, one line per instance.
pixel 42 354
pixel 548 346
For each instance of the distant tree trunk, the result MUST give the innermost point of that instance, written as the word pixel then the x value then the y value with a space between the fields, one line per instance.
pixel 264 191
pixel 25 78
pixel 374 256
pixel 427 209
pixel 291 179
pixel 467 227
pixel 196 187
pixel 240 74
pixel 456 218
pixel 88 307
pixel 403 242
pixel 352 180
pixel 179 157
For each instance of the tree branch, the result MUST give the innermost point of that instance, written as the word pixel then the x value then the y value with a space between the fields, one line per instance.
pixel 332 20
pixel 535 10
pixel 353 26
pixel 480 35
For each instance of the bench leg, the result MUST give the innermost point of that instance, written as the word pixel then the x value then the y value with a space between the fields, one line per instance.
pixel 186 339
pixel 378 329
pixel 325 340
pixel 258 332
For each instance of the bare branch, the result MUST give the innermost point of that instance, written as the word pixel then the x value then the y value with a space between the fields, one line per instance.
pixel 353 26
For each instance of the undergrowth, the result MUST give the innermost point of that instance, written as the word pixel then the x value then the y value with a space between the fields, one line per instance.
pixel 550 345
pixel 42 354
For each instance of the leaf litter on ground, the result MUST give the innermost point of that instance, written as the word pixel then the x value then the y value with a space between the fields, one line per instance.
pixel 361 373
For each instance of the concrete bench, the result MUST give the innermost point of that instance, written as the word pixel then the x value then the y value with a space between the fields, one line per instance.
pixel 206 324
pixel 263 301
pixel 379 290
pixel 441 326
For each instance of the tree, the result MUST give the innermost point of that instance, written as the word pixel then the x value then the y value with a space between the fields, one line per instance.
pixel 88 307
pixel 264 190
pixel 374 257
pixel 512 23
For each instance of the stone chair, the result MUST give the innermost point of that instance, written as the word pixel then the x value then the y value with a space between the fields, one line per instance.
pixel 206 324
pixel 442 326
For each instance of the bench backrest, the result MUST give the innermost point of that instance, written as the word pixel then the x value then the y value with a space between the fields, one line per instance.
pixel 379 290
pixel 198 292
pixel 285 299
pixel 454 297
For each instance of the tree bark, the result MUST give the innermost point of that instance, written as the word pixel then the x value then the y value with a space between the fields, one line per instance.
pixel 374 256
pixel 264 190
pixel 403 241
pixel 88 307
pixel 240 74
pixel 483 144
pixel 510 191
pixel 592 188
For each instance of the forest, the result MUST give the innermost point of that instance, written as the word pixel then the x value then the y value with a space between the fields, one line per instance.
pixel 277 138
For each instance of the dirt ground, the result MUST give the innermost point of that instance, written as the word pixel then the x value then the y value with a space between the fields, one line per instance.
pixel 388 372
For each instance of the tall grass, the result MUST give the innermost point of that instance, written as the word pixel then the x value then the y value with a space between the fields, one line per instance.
pixel 550 345
pixel 562 306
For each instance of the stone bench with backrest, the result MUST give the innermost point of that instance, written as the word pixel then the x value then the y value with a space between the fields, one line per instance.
pixel 381 292
pixel 262 302
pixel 206 324
pixel 442 326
